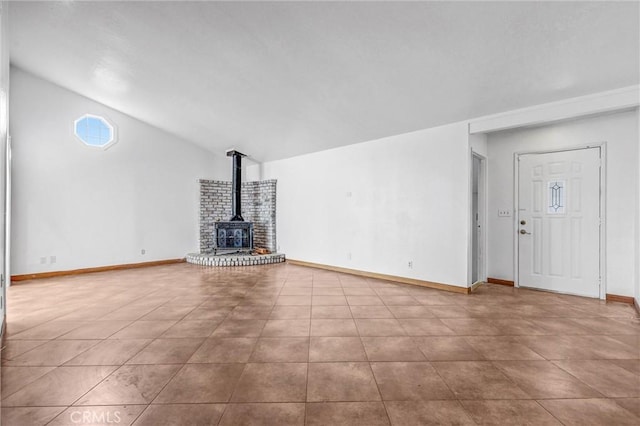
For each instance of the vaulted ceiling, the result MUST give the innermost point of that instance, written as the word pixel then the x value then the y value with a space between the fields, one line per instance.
pixel 278 79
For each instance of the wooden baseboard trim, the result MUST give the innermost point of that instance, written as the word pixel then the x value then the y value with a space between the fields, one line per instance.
pixel 621 299
pixel 637 306
pixel 474 286
pixel 403 280
pixel 499 281
pixel 53 274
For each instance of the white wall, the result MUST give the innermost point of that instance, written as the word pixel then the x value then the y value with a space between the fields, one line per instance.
pixel 4 132
pixel 478 143
pixel 637 290
pixel 384 202
pixel 620 131
pixel 92 207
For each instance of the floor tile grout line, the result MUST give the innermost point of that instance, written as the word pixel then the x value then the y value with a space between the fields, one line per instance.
pixel 26 384
pixel 308 365
pixel 235 388
pixel 175 373
pixel 21 353
pixel 547 411
pixel 135 300
pixel 57 415
pixel 571 398
pixel 104 338
pixel 464 409
pixel 118 367
pixel 443 380
pixel 49 338
pixel 103 315
pixel 56 365
pixel 582 381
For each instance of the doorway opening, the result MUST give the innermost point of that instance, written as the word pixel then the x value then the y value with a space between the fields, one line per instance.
pixel 478 218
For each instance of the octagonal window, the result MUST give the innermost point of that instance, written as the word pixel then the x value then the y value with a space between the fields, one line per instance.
pixel 94 131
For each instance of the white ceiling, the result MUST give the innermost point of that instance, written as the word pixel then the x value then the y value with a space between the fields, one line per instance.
pixel 276 80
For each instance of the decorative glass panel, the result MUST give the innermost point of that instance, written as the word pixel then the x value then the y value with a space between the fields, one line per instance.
pixel 557 197
pixel 234 235
pixel 237 237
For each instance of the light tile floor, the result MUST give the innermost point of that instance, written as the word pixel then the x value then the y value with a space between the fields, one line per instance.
pixel 288 345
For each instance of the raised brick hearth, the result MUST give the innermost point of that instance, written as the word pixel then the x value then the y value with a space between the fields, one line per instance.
pixel 234 259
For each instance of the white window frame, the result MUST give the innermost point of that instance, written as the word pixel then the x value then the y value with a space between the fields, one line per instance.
pixel 112 141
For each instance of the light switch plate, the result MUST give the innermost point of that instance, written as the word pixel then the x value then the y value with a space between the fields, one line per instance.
pixel 504 213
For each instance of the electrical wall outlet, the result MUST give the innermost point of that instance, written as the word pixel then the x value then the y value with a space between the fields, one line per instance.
pixel 43 260
pixel 143 251
pixel 349 255
pixel 52 259
pixel 410 264
pixel 504 212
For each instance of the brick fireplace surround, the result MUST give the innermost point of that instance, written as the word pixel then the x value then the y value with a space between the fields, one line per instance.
pixel 258 206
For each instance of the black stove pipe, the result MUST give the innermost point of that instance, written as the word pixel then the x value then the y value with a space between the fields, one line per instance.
pixel 236 208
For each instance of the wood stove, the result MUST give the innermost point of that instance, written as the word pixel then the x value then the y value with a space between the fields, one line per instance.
pixel 236 234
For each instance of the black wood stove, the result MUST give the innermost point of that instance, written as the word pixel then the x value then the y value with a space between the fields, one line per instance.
pixel 236 235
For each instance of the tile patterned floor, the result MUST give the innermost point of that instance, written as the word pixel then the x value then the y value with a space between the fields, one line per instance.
pixel 288 345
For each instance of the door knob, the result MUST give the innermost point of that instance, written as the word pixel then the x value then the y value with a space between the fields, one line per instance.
pixel 523 232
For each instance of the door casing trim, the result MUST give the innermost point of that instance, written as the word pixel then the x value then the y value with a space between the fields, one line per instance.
pixel 483 205
pixel 602 146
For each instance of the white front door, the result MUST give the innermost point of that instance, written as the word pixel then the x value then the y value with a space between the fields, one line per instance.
pixel 559 221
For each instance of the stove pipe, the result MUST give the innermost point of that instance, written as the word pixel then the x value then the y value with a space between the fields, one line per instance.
pixel 236 209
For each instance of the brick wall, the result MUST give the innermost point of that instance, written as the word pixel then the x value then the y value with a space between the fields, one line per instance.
pixel 258 206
